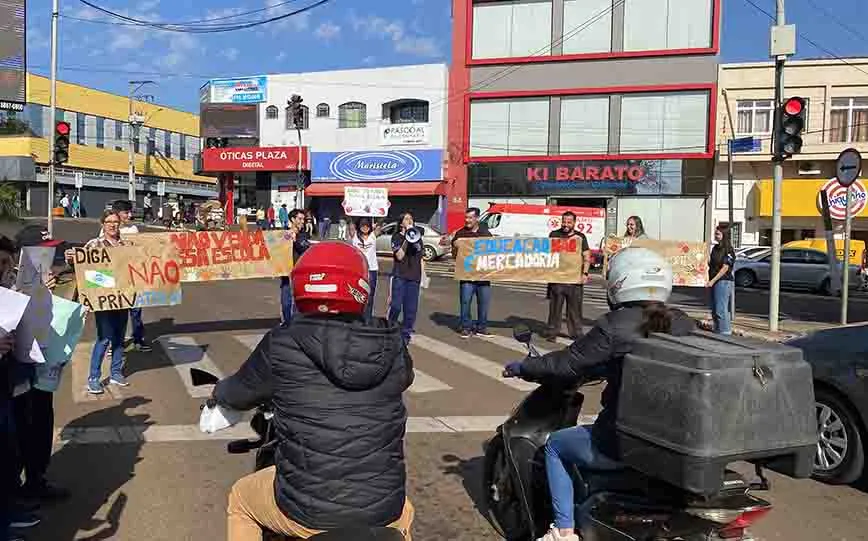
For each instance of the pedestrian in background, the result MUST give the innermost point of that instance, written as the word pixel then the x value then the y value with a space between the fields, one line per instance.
pixel 366 242
pixel 76 206
pixel 406 277
pixel 283 216
pixel 635 229
pixel 468 289
pixel 310 223
pixel 269 216
pixel 64 203
pixel 721 281
pixel 571 295
pixel 149 209
pixel 260 218
pixel 124 210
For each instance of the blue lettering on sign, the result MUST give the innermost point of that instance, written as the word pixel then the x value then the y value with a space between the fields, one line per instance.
pixel 157 298
pixel 377 166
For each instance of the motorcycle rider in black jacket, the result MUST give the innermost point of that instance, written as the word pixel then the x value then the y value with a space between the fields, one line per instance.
pixel 335 384
pixel 639 283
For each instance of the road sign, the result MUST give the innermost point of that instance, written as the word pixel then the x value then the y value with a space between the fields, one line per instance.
pixel 745 144
pixel 848 166
pixel 161 189
pixel 79 180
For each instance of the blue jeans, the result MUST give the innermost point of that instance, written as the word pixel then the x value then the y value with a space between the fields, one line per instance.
pixel 405 298
pixel 564 448
pixel 721 300
pixel 372 298
pixel 287 307
pixel 110 329
pixel 482 290
pixel 138 325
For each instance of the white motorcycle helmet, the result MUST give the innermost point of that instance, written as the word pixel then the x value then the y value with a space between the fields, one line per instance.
pixel 638 274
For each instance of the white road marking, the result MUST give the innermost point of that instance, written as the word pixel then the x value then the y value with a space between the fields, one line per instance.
pixel 185 354
pixel 510 343
pixel 469 360
pixel 250 340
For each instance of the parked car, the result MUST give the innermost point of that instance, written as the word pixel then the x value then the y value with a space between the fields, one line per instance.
pixel 839 358
pixel 801 268
pixel 434 244
pixel 751 251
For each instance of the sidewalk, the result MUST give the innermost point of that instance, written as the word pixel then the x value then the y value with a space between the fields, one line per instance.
pixel 755 327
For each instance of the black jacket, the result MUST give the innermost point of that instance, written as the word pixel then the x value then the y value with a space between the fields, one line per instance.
pixel 336 388
pixel 602 350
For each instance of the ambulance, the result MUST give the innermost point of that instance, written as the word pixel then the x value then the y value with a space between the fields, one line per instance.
pixel 513 220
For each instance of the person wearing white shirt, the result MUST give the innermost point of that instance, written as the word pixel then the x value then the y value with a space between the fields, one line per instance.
pixel 365 240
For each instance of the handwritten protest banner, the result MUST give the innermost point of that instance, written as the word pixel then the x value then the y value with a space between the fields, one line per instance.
pixel 204 256
pixel 519 259
pixel 689 260
pixel 128 276
pixel 363 201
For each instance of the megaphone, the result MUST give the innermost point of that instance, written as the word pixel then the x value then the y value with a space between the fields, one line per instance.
pixel 413 235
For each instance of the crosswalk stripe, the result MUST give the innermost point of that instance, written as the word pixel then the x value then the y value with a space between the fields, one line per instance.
pixel 469 360
pixel 422 382
pixel 510 343
pixel 185 353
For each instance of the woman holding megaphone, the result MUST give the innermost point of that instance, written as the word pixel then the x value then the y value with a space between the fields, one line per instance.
pixel 406 275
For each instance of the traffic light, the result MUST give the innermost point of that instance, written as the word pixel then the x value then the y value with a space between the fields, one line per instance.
pixel 61 142
pixel 296 112
pixel 789 135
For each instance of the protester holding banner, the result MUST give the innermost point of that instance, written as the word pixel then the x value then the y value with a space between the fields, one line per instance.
pixel 466 288
pixel 125 213
pixel 721 280
pixel 406 277
pixel 571 295
pixel 366 242
pixel 635 229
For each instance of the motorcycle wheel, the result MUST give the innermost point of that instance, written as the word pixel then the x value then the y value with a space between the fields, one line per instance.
pixel 503 508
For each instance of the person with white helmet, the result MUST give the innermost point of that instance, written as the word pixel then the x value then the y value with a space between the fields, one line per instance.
pixel 639 284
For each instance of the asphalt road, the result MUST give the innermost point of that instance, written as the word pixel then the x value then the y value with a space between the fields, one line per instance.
pixel 140 469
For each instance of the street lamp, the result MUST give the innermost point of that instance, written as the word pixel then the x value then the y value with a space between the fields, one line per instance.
pixel 135 122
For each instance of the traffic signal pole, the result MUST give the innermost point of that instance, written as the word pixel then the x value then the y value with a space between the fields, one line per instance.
pixel 777 187
pixel 52 116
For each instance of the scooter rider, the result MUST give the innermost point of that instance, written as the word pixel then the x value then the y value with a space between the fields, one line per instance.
pixel 336 384
pixel 639 284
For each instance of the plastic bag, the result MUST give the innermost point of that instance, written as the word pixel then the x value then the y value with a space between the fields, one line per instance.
pixel 217 418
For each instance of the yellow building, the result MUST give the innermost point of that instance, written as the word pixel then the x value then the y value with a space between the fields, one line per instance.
pixel 837 118
pixel 167 145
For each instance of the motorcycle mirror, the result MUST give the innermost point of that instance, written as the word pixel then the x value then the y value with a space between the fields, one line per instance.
pixel 522 333
pixel 239 447
pixel 200 377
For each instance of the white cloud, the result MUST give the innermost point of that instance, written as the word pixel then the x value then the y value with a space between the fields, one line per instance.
pixel 418 46
pixel 373 26
pixel 327 30
pixel 36 39
pixel 231 54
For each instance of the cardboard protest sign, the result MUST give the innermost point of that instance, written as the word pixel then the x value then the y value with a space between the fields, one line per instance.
pixel 204 256
pixel 519 259
pixel 362 201
pixel 689 260
pixel 124 277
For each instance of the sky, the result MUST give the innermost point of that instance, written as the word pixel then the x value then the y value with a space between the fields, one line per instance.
pixel 340 34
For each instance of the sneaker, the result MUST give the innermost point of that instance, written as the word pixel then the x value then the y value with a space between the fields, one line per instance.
pixel 142 347
pixel 95 387
pixel 555 535
pixel 24 520
pixel 119 380
pixel 484 333
pixel 44 491
pixel 465 333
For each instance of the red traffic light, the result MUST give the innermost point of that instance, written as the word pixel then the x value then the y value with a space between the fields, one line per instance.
pixel 62 128
pixel 794 106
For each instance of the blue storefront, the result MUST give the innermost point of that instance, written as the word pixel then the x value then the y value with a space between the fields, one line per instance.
pixel 414 179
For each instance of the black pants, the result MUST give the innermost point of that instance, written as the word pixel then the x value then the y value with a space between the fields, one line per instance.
pixel 572 295
pixel 34 424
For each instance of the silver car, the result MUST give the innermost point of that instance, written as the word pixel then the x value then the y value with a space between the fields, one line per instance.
pixel 801 268
pixel 435 244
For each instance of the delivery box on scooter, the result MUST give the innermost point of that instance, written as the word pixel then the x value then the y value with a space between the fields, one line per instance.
pixel 690 405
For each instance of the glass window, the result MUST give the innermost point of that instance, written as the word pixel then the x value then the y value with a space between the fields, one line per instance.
pixel 167 144
pixel 80 131
pixel 34 112
pixel 12 124
pixel 512 29
pixel 849 120
pixel 509 127
pixel 119 135
pixel 322 110
pixel 409 111
pixel 793 256
pixel 100 132
pixel 755 117
pixel 352 115
pixel 587 26
pixel 814 257
pixel 585 125
pixel 651 25
pixel 182 147
pixel 152 141
pixel 271 112
pixel 676 122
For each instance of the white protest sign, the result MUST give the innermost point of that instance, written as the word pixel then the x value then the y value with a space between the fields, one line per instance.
pixel 13 304
pixel 362 201
pixel 34 266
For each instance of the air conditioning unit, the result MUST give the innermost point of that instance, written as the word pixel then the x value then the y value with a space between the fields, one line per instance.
pixel 809 168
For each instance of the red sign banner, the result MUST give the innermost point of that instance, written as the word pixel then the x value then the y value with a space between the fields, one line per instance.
pixel 217 160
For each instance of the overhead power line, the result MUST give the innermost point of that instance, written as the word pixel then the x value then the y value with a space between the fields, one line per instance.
pixel 203 22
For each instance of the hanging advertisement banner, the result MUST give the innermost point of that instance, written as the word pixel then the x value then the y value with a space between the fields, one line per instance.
pixel 241 90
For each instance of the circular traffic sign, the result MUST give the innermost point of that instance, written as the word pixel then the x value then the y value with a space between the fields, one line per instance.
pixel 848 166
pixel 837 195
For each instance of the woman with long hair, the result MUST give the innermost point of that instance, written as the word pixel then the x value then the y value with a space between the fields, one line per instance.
pixel 366 241
pixel 721 281
pixel 635 228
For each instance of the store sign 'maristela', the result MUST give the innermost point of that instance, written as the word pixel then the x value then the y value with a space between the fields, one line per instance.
pixel 585 171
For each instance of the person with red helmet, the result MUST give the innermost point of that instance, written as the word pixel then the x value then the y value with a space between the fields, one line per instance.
pixel 336 383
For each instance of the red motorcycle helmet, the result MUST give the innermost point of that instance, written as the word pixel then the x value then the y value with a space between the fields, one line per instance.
pixel 331 278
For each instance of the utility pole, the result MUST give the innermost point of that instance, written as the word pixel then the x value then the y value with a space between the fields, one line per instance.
pixel 53 116
pixel 730 173
pixel 782 45
pixel 135 122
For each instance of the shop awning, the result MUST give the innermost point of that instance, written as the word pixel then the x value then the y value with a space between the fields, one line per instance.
pixel 334 189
